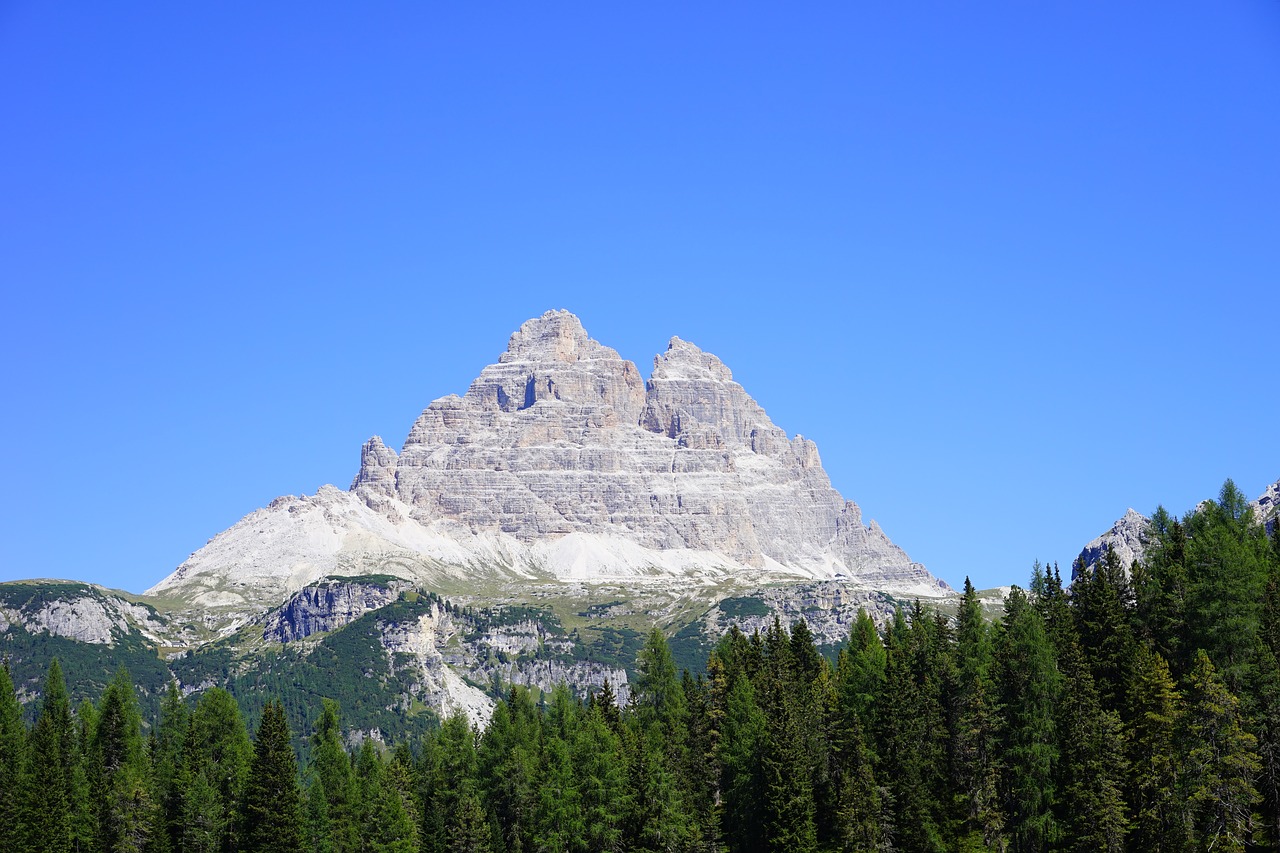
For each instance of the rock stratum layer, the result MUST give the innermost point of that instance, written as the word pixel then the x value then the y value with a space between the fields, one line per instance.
pixel 560 461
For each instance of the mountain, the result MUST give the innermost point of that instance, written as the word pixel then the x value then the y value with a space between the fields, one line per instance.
pixel 1267 507
pixel 560 464
pixel 1127 538
pixel 1130 535
pixel 530 531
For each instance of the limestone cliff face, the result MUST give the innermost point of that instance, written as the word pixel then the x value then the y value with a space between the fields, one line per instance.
pixel 1267 507
pixel 562 436
pixel 1127 538
pixel 327 606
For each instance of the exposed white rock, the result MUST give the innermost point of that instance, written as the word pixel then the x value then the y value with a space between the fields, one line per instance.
pixel 440 687
pixel 1267 506
pixel 1127 538
pixel 560 462
pixel 88 614
pixel 326 606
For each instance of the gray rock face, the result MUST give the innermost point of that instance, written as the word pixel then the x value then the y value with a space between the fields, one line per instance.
pixel 561 436
pixel 1267 507
pixel 1127 538
pixel 326 607
pixel 81 612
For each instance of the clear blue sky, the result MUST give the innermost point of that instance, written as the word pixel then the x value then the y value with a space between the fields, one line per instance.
pixel 1015 267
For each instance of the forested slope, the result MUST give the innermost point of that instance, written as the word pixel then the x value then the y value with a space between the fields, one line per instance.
pixel 1136 711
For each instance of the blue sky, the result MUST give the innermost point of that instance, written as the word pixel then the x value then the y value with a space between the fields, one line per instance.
pixel 1015 267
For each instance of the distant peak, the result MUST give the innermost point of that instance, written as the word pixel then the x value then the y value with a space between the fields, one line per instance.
pixel 685 360
pixel 557 335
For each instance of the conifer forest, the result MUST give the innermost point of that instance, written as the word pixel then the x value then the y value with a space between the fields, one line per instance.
pixel 1134 708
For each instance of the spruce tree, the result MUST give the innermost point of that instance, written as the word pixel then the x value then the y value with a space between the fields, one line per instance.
pixel 1219 761
pixel 974 746
pixel 1029 688
pixel 332 767
pixel 166 764
pixel 52 759
pixel 272 811
pixel 1156 806
pixel 602 784
pixel 13 756
pixel 742 785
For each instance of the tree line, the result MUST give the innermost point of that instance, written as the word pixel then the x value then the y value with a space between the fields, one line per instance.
pixel 1136 710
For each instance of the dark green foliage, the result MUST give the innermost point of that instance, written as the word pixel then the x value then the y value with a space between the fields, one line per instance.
pixel 1058 728
pixel 273 821
pixel 333 784
pixel 117 772
pixel 974 769
pixel 53 758
pixel 13 758
pixel 1156 806
pixel 1029 689
pixel 1219 761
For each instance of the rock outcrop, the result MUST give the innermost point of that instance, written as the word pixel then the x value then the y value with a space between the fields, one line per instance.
pixel 82 612
pixel 1267 507
pixel 561 462
pixel 1127 538
pixel 327 606
pixel 561 437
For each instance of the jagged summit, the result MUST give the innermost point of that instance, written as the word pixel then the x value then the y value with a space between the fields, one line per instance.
pixel 561 460
pixel 1127 538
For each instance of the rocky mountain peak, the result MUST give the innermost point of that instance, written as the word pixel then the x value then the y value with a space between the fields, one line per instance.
pixel 561 436
pixel 1267 507
pixel 561 461
pixel 552 359
pixel 555 336
pixel 692 394
pixel 1127 538
pixel 377 465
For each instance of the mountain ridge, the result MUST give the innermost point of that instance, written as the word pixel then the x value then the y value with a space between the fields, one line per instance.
pixel 561 462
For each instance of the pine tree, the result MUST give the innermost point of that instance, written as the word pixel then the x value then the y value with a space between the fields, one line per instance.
pixel 52 759
pixel 857 818
pixel 272 811
pixel 1227 560
pixel 602 784
pixel 559 821
pixel 166 764
pixel 1158 814
pixel 1029 687
pixel 13 757
pixel 1219 761
pixel 657 696
pixel 1091 764
pixel 318 832
pixel 1103 605
pixel 118 772
pixel 860 671
pixel 450 769
pixel 332 767
pixel 217 748
pixel 386 822
pixel 470 832
pixel 742 774
pixel 974 747
pixel 507 767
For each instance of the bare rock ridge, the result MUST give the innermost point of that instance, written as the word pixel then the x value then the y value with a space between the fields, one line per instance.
pixel 562 464
pixel 562 436
pixel 1267 507
pixel 1127 538
pixel 1130 535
